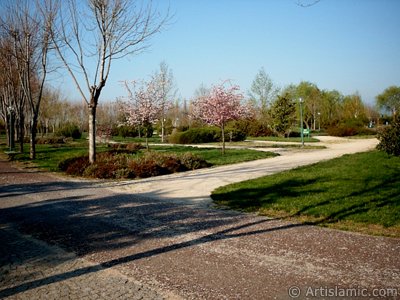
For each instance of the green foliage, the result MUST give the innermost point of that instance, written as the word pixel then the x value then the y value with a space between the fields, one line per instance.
pixel 389 138
pixel 390 99
pixel 253 127
pixel 350 128
pixel 50 140
pixel 283 114
pixel 124 131
pixel 69 130
pixel 361 189
pixel 206 135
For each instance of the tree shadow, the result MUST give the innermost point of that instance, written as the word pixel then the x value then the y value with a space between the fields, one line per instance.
pixel 324 208
pixel 86 224
pixel 255 198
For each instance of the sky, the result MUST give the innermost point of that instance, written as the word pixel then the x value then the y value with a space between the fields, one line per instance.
pixel 348 45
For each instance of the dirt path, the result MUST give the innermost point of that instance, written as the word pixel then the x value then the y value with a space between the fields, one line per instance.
pixel 86 240
pixel 197 186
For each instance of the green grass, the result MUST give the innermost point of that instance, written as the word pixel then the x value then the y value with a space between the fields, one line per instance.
pixel 214 156
pixel 358 192
pixel 49 156
pixel 119 139
pixel 282 139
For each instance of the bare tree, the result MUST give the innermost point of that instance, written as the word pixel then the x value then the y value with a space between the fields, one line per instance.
pixel 165 82
pixel 93 33
pixel 28 24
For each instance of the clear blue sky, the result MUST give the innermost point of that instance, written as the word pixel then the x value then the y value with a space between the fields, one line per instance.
pixel 348 45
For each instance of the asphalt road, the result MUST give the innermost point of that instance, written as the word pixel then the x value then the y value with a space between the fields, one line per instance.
pixel 70 238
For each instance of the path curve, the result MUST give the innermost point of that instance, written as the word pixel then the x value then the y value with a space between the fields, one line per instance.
pixel 196 186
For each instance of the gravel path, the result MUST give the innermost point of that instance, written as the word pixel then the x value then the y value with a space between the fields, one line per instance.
pixel 67 238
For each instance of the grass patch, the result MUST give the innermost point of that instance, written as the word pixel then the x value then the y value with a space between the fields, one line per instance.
pixel 49 156
pixel 214 156
pixel 283 139
pixel 119 139
pixel 358 192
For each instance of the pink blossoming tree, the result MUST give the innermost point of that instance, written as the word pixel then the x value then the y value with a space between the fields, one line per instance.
pixel 222 104
pixel 144 105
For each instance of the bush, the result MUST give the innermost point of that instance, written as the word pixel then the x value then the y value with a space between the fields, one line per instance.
pixel 342 130
pixel 124 131
pixel 110 165
pixel 349 130
pixel 206 135
pixel 75 165
pixel 127 148
pixel 389 138
pixel 50 140
pixel 253 128
pixel 69 130
pixel 193 162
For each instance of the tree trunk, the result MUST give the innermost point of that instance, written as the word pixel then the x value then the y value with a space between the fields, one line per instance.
pixel 223 138
pixel 21 133
pixel 32 152
pixel 92 133
pixel 162 130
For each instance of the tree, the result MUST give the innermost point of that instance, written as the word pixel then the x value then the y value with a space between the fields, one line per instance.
pixel 262 92
pixel 223 104
pixel 390 99
pixel 29 27
pixel 283 114
pixel 354 110
pixel 165 83
pixel 12 100
pixel 94 33
pixel 311 95
pixel 331 107
pixel 144 105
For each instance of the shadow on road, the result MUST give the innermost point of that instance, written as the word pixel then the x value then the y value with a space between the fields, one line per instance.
pixel 85 223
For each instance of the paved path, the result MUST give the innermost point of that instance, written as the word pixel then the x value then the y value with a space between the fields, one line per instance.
pixel 77 239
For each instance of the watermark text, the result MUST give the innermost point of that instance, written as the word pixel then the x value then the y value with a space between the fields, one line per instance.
pixel 345 292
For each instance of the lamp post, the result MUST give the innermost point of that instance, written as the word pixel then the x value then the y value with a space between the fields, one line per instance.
pixel 301 121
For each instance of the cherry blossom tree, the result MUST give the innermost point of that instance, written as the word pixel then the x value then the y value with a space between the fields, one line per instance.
pixel 144 105
pixel 222 104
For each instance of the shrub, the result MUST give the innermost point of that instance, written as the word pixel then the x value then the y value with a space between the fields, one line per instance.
pixel 145 167
pixel 127 148
pixel 134 147
pixel 206 135
pixel 124 131
pixel 389 138
pixel 75 165
pixel 348 129
pixel 234 134
pixel 342 130
pixel 193 162
pixel 50 140
pixel 69 130
pixel 253 127
pixel 119 165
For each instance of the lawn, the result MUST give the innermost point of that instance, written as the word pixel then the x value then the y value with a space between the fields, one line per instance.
pixel 283 139
pixel 358 192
